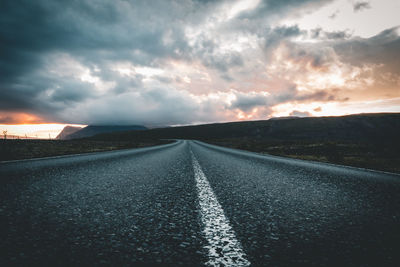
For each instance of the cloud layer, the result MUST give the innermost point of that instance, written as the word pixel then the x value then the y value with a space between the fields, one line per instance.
pixel 181 62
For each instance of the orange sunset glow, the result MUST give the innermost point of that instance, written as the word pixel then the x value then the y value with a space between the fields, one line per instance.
pixel 41 131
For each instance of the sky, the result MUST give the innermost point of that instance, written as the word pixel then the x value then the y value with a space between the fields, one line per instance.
pixel 179 62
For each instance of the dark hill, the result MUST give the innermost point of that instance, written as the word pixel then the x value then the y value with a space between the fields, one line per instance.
pixel 383 127
pixel 92 130
pixel 68 130
pixel 364 140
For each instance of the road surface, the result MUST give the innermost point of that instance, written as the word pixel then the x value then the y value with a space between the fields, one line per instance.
pixel 190 203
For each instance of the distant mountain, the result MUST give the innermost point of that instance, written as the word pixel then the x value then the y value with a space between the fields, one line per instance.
pixel 68 130
pixel 93 130
pixel 380 127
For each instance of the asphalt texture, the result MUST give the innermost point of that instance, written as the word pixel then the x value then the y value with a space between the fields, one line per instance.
pixel 141 207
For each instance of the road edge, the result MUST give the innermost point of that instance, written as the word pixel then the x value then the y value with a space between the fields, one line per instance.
pixel 85 154
pixel 299 160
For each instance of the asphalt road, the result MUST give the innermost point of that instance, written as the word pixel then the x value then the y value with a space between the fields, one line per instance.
pixel 190 203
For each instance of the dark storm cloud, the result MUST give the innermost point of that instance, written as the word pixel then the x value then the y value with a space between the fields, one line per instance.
pixel 334 14
pixel 33 28
pixel 279 7
pixel 319 33
pixel 359 6
pixel 96 32
pixel 72 91
pixel 382 48
pixel 59 59
pixel 222 62
pixel 321 96
pixel 298 113
pixel 151 107
pixel 274 36
pixel 292 94
pixel 379 50
pixel 337 35
pixel 246 102
pixel 309 56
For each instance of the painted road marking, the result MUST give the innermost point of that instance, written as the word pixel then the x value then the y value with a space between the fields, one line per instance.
pixel 223 247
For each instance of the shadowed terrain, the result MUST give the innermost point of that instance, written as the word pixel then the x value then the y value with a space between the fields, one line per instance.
pixel 26 149
pixel 363 140
pixel 92 130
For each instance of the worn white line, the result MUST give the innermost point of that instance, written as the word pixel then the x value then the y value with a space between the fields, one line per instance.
pixel 223 247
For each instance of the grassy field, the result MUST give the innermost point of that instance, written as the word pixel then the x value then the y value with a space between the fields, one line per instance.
pixel 378 156
pixel 26 149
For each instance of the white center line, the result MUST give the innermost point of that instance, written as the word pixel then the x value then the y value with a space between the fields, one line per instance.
pixel 223 247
